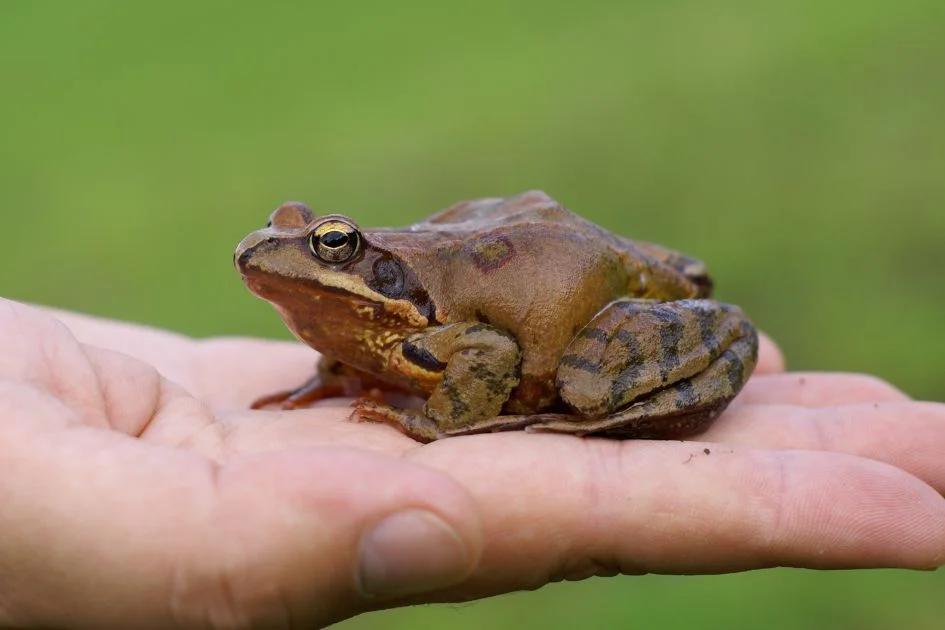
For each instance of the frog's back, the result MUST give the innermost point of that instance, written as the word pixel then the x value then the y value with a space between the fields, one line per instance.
pixel 527 209
pixel 536 207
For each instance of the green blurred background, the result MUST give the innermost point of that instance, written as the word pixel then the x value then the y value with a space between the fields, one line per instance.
pixel 797 147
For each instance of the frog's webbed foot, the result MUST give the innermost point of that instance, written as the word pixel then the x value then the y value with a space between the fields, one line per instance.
pixel 674 412
pixel 332 379
pixel 415 424
pixel 654 370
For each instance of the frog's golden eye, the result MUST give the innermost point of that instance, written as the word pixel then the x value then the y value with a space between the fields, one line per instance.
pixel 335 241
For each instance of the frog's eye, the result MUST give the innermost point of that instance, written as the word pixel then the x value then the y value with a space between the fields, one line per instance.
pixel 335 241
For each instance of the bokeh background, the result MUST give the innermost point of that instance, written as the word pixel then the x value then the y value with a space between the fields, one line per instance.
pixel 798 147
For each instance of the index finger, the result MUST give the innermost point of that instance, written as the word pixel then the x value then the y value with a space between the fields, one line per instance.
pixel 770 358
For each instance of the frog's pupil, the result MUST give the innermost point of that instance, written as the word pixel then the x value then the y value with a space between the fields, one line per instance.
pixel 334 239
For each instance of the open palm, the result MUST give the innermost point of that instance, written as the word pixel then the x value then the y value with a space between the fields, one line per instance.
pixel 137 485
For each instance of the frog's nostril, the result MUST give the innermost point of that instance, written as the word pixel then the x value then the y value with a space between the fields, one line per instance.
pixel 241 258
pixel 246 250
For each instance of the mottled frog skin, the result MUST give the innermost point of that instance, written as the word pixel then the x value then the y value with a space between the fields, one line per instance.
pixel 502 314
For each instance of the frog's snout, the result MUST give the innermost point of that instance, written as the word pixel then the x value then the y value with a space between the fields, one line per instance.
pixel 246 251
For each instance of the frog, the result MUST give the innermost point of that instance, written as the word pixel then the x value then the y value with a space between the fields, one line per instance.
pixel 500 314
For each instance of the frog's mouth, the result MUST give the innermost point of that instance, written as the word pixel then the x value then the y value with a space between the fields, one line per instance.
pixel 338 323
pixel 305 295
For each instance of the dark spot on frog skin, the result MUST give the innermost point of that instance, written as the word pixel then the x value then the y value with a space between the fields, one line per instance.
pixel 707 319
pixel 686 395
pixel 670 334
pixel 459 408
pixel 422 357
pixel 706 451
pixel 597 334
pixel 490 252
pixel 580 363
pixel 625 336
pixel 735 371
pixel 628 376
pixel 472 330
pixel 496 384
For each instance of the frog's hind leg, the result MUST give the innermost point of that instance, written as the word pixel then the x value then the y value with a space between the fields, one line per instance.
pixel 654 370
pixel 676 411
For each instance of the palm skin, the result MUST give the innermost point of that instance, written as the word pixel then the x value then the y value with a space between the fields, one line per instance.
pixel 133 466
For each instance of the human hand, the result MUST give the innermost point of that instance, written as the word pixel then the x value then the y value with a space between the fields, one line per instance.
pixel 133 501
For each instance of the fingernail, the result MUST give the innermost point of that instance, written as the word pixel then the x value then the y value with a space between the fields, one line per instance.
pixel 413 551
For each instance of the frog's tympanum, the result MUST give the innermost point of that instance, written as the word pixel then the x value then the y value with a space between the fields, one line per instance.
pixel 502 314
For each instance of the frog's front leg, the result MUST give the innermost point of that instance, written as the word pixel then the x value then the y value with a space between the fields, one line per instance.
pixel 480 367
pixel 654 369
pixel 331 379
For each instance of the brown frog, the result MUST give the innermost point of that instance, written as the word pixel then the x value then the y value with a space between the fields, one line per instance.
pixel 503 314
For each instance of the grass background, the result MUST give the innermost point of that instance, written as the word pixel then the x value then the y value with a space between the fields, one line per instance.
pixel 798 147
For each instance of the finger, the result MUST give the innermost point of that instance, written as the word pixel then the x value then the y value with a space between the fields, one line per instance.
pixel 908 435
pixel 327 423
pixel 311 535
pixel 233 372
pixel 818 389
pixel 41 354
pixel 770 358
pixel 566 507
pixel 144 342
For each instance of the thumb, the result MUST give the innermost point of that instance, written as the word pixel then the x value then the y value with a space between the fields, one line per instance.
pixel 322 534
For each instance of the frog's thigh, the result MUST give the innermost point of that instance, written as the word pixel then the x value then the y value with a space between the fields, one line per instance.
pixel 639 359
pixel 480 368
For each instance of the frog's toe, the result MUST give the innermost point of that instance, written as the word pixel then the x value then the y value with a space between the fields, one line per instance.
pixel 275 400
pixel 411 422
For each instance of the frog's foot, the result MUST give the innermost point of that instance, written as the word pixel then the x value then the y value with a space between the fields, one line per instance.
pixel 626 424
pixel 503 423
pixel 410 421
pixel 634 422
